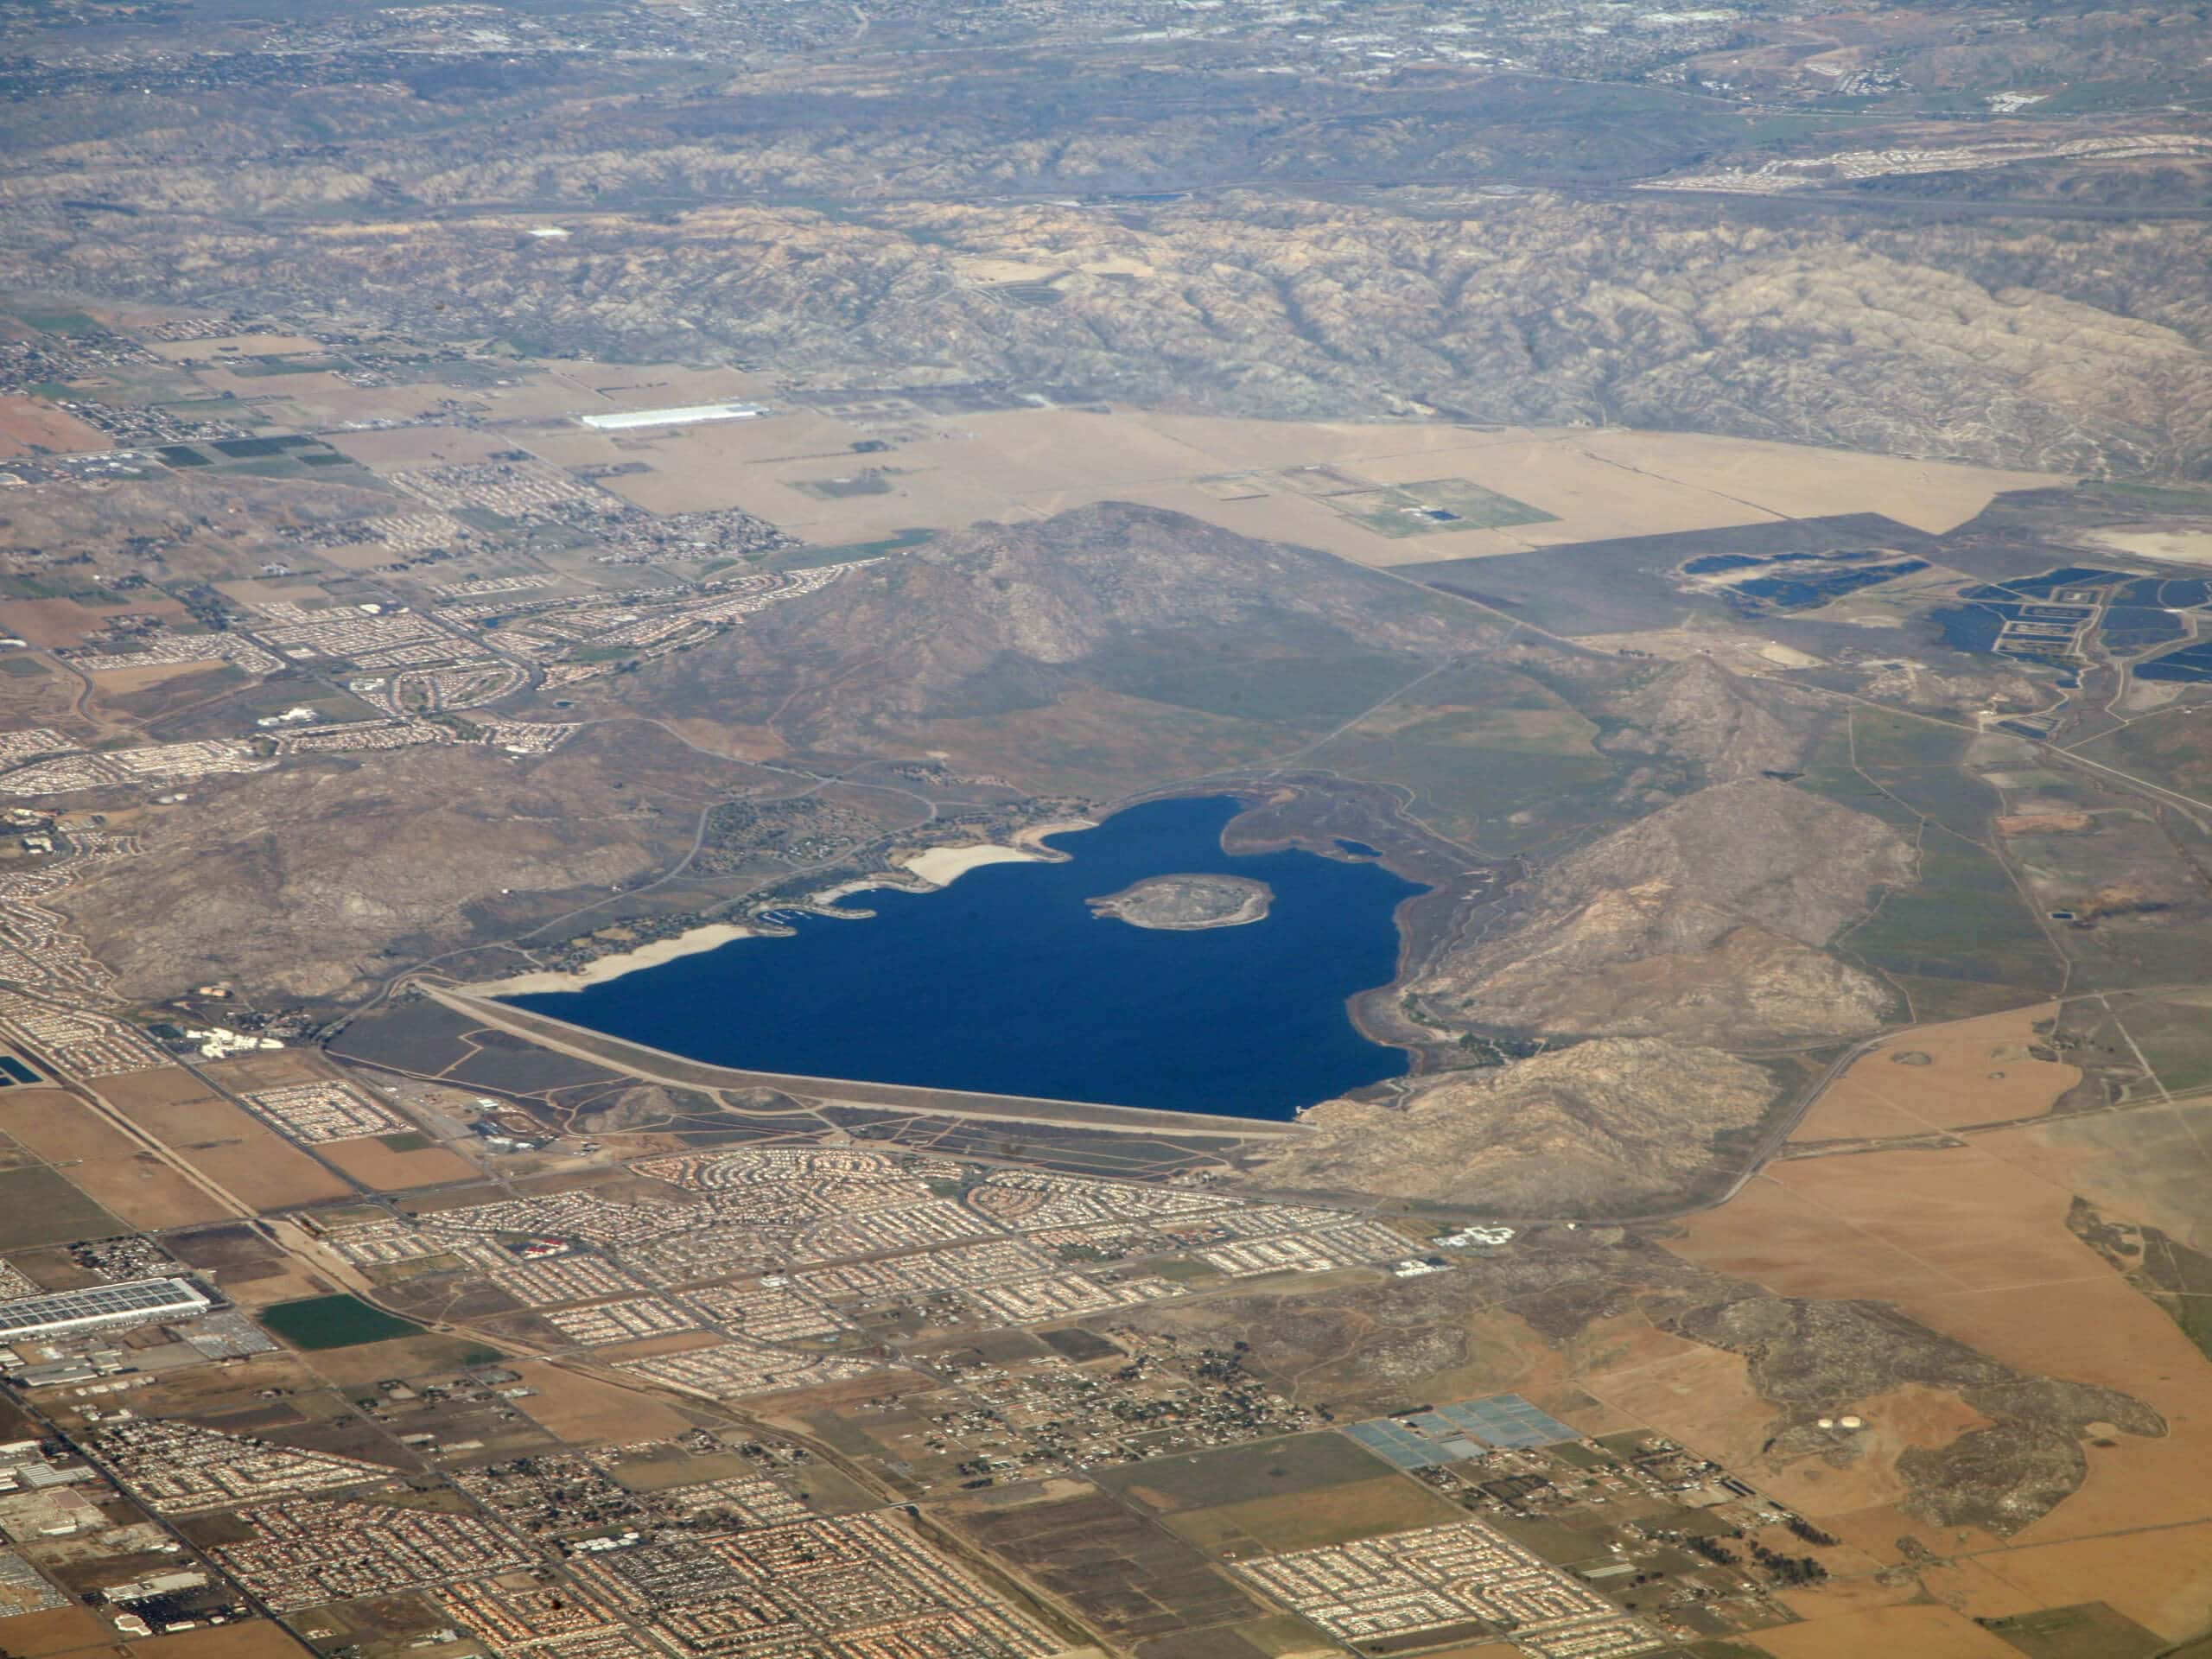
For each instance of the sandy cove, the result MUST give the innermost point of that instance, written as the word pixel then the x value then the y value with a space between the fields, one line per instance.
pixel 932 868
pixel 689 942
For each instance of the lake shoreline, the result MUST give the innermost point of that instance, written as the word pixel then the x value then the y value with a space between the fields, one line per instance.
pixel 1015 991
pixel 603 970
pixel 930 870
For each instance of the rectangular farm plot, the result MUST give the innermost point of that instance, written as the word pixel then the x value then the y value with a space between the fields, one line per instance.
pixel 339 1321
pixel 38 1206
pixel 1301 1465
pixel 1127 1578
pixel 103 1163
pixel 231 1149
pixel 392 1163
pixel 1433 506
pixel 1269 1525
pixel 140 1190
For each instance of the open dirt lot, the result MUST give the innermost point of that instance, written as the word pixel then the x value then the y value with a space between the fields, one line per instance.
pixel 1975 1219
pixel 2174 546
pixel 227 1146
pixel 330 406
pixel 1944 1076
pixel 1977 1247
pixel 65 1629
pixel 797 468
pixel 57 1127
pixel 373 1164
pixel 280 1070
pixel 1365 1508
pixel 2157 1579
pixel 235 346
pixel 113 683
pixel 164 1085
pixel 259 1640
pixel 423 446
pixel 28 426
pixel 1925 1632
pixel 1699 1395
pixel 586 1411
pixel 402 1357
pixel 2147 1164
pixel 1796 482
pixel 54 621
pixel 146 1193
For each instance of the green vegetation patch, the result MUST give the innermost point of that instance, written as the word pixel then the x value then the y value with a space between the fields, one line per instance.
pixel 23 586
pixel 1239 1474
pixel 1964 920
pixel 2160 495
pixel 1878 739
pixel 872 482
pixel 813 558
pixel 339 1321
pixel 1323 684
pixel 58 322
pixel 405 1141
pixel 255 367
pixel 2176 1038
pixel 1489 756
pixel 38 1206
pixel 2089 1629
pixel 23 666
pixel 1435 506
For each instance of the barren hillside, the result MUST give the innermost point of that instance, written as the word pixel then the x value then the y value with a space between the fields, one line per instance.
pixel 1704 923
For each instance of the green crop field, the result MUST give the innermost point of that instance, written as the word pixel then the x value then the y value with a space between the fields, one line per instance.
pixel 38 1206
pixel 339 1321
pixel 1434 507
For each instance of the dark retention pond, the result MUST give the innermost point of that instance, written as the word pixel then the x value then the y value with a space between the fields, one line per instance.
pixel 1006 983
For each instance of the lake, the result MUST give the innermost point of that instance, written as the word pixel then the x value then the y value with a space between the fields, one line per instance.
pixel 1006 983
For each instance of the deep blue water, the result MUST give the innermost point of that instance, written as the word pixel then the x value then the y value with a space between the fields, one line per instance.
pixel 1006 983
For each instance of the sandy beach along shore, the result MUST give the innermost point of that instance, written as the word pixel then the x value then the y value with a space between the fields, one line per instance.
pixel 931 867
pixel 940 867
pixel 1032 836
pixel 689 942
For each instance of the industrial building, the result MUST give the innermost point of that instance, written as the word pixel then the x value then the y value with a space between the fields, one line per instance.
pixel 688 415
pixel 67 1311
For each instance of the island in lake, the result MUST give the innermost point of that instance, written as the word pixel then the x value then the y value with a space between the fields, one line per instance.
pixel 1183 903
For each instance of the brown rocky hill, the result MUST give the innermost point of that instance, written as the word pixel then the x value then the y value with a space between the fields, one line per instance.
pixel 296 881
pixel 1110 603
pixel 1703 922
pixel 1603 1127
pixel 1728 726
